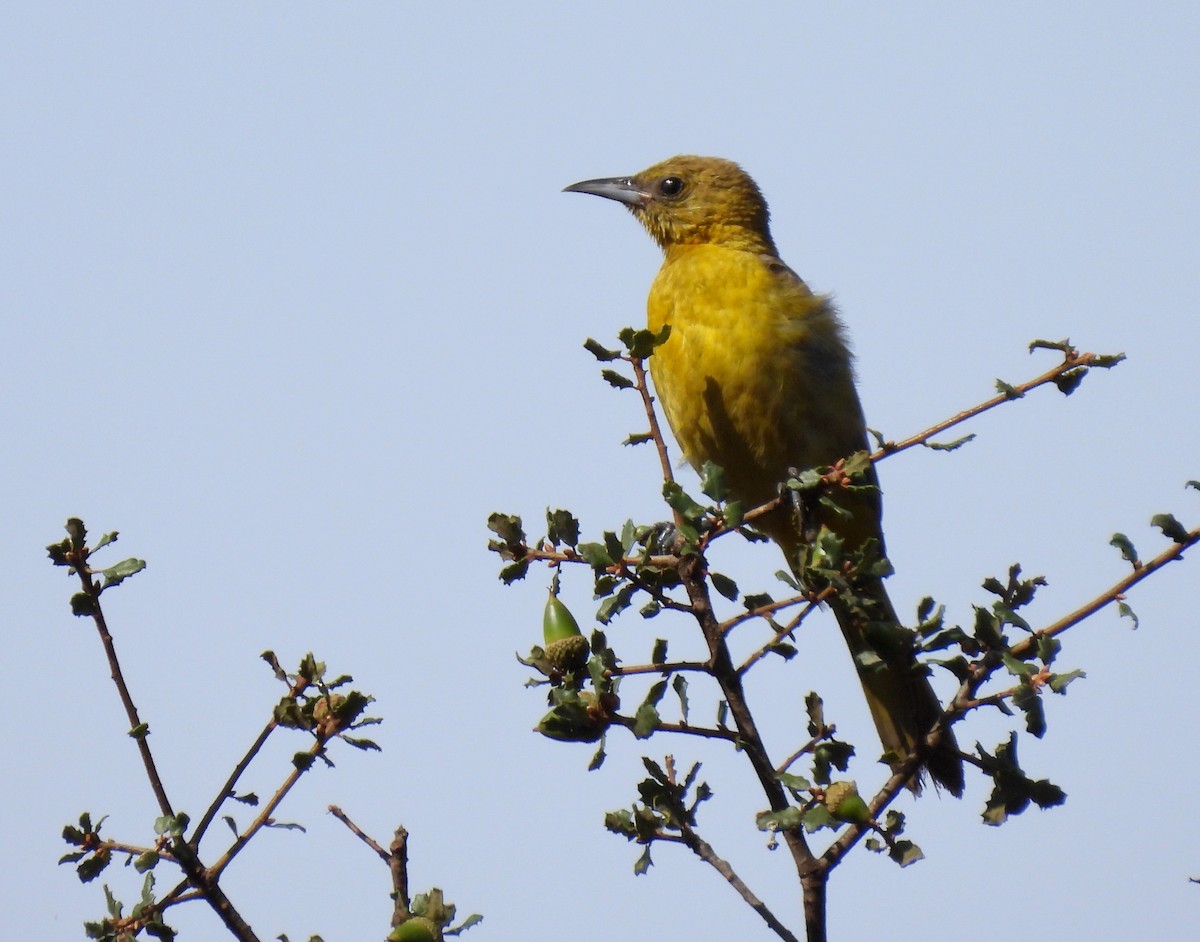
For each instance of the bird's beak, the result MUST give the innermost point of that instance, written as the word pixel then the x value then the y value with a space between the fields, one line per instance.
pixel 621 189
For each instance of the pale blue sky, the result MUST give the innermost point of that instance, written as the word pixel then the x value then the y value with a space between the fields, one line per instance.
pixel 292 300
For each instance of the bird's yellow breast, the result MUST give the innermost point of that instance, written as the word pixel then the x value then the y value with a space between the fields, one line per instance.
pixel 755 376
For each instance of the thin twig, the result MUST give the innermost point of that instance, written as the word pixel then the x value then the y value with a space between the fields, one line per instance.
pixel 360 833
pixel 265 815
pixel 702 849
pixel 1072 360
pixel 686 729
pixel 665 668
pixel 1110 595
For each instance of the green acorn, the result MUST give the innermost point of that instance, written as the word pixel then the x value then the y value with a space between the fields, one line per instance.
pixel 843 801
pixel 416 929
pixel 566 647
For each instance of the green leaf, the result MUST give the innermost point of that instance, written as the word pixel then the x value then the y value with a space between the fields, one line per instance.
pixel 146 861
pixel 645 721
pixel 595 554
pixel 723 584
pixel 815 707
pixel 303 760
pixel 105 539
pixel 950 446
pixel 905 853
pixel 797 783
pixel 642 343
pixel 658 654
pixel 1125 611
pixel 828 756
pixel 1010 392
pixel 117 574
pixel 612 606
pixel 601 353
pixel 1027 700
pixel 1170 527
pixel 1059 682
pixel 638 438
pixel 1123 543
pixel 562 527
pixel 1018 668
pixel 713 482
pixel 784 820
pixel 679 500
pixel 93 866
pixel 616 380
pixel 680 685
pixel 76 533
pixel 507 527
pixel 643 863
pixel 83 605
pixel 1069 381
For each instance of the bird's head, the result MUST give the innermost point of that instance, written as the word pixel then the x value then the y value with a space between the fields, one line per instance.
pixel 692 201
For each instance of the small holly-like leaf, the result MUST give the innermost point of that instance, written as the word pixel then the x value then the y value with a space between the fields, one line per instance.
pixel 950 446
pixel 818 817
pixel 1059 682
pixel 641 343
pixel 638 438
pixel 680 685
pixel 1125 611
pixel 645 721
pixel 723 584
pixel 1027 700
pixel 93 866
pixel 598 756
pixel 643 863
pixel 171 825
pixel 612 606
pixel 1009 391
pixel 1069 381
pixel 678 499
pixel 617 380
pixel 562 527
pixel 595 555
pixel 658 655
pixel 1128 553
pixel 507 527
pixel 600 352
pixel 713 482
pixel 83 605
pixel 828 756
pixel 1170 527
pixel 815 707
pixel 790 817
pixel 761 600
pixel 1047 649
pixel 797 783
pixel 1018 668
pixel 303 760
pixel 905 853
pixel 117 574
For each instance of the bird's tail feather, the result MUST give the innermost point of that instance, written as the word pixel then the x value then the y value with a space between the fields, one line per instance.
pixel 902 701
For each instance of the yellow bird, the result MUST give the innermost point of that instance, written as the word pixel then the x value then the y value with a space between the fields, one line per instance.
pixel 757 377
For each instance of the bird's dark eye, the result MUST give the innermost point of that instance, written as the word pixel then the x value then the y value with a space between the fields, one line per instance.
pixel 671 186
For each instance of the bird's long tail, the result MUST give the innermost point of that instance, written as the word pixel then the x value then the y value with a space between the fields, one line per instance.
pixel 902 702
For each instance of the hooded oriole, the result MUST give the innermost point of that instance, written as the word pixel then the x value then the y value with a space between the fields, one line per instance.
pixel 756 377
